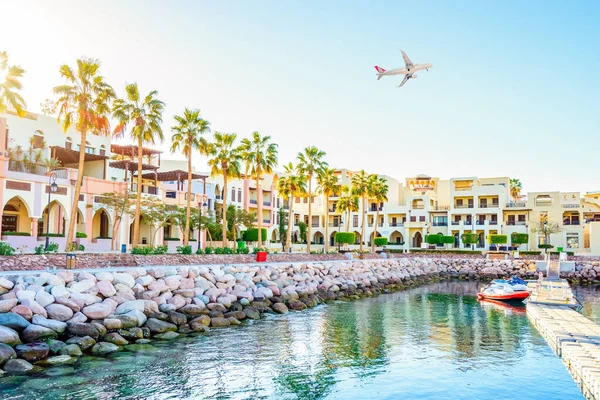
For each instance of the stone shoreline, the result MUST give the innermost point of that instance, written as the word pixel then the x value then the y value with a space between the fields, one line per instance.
pixel 48 319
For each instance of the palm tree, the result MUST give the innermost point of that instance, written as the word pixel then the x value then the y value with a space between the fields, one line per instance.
pixel 225 160
pixel 188 136
pixel 347 203
pixel 328 186
pixel 290 186
pixel 515 188
pixel 309 162
pixel 9 96
pixel 145 114
pixel 379 192
pixel 84 101
pixel 362 186
pixel 260 156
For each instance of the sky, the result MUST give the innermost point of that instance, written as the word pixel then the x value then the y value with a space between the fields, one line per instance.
pixel 514 89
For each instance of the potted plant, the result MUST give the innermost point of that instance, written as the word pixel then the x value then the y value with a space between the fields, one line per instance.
pixel 517 239
pixel 345 238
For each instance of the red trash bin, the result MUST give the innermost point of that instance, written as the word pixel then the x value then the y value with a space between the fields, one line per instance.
pixel 261 256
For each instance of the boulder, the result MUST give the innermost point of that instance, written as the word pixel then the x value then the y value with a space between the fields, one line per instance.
pixel 144 280
pixel 69 303
pixel 173 282
pixel 115 338
pixel 7 305
pixel 167 307
pixel 98 310
pixel 56 326
pixel 44 298
pixel 127 306
pixel 17 366
pixel 36 333
pixel 166 336
pixel 192 310
pixel 25 295
pixel 104 276
pixel 102 348
pixel 202 319
pixel 72 349
pixel 83 329
pixel 23 311
pixel 56 360
pixel 6 284
pixel 124 279
pixel 6 353
pixel 77 317
pixel 9 336
pixel 112 323
pixel 82 286
pixel 55 345
pixel 106 289
pixel 84 299
pixel 158 326
pixel 84 342
pixel 251 313
pixel 35 307
pixel 59 312
pixel 32 351
pixel 14 321
pixel 219 322
pixel 178 301
pixel 59 292
pixel 177 318
pixel 279 308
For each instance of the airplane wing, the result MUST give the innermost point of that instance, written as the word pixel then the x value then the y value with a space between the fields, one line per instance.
pixel 404 80
pixel 407 61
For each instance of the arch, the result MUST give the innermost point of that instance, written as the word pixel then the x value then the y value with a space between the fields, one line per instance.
pixel 481 242
pixel 275 180
pixel 371 236
pixel 318 238
pixel 396 237
pixel 101 224
pixel 358 237
pixel 16 216
pixel 19 201
pixel 332 238
pixel 417 240
pixel 543 200
pixel 145 233
pixel 274 235
pixel 456 240
pixel 218 193
pixel 53 219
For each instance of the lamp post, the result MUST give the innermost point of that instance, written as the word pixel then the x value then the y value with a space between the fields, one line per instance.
pixel 200 206
pixel 52 188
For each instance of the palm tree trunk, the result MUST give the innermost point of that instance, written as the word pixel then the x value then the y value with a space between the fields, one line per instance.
pixel 75 207
pixel 362 233
pixel 326 223
pixel 138 199
pixel 290 223
pixel 186 234
pixel 348 220
pixel 375 231
pixel 308 235
pixel 224 219
pixel 259 206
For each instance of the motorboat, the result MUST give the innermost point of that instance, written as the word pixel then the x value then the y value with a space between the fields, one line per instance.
pixel 502 292
pixel 517 284
pixel 502 306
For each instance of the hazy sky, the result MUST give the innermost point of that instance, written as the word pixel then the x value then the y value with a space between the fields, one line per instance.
pixel 514 91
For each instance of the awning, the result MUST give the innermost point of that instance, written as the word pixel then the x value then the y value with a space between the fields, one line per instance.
pixel 131 150
pixel 67 156
pixel 132 166
pixel 176 175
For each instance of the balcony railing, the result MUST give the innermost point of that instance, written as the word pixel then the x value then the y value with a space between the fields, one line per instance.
pixel 370 224
pixel 571 206
pixel 286 207
pixel 266 221
pixel 253 201
pixel 516 222
pixel 570 222
pixel 35 169
pixel 455 222
pixel 480 222
pixel 515 204
pixel 267 203
pixel 493 223
pixel 145 189
pixel 334 224
pixel 418 206
pixel 396 224
pixel 440 224
pixel 314 225
pixel 486 205
pixel 463 206
pixel 440 208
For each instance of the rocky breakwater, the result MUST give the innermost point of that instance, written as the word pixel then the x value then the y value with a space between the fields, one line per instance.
pixel 48 319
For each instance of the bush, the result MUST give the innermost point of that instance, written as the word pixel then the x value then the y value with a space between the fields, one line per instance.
pixel 81 247
pixel 199 251
pixel 52 235
pixel 52 248
pixel 545 246
pixel 251 235
pixel 6 249
pixel 171 239
pixel 160 250
pixel 104 237
pixel 470 238
pixel 257 249
pixel 142 251
pixel 433 239
pixel 380 241
pixel 345 237
pixel 184 249
pixel 519 238
pixel 209 250
pixel 530 252
pixel 11 233
pixel 497 239
pixel 80 235
pixel 242 250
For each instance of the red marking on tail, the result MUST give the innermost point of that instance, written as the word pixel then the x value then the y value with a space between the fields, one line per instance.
pixel 379 69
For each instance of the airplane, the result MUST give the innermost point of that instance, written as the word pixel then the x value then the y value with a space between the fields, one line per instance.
pixel 408 71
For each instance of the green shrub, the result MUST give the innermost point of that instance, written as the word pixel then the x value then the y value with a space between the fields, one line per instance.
pixel 251 235
pixel 160 250
pixel 142 251
pixel 80 235
pixel 52 248
pixel 12 233
pixel 257 249
pixel 199 251
pixel 171 239
pixel 545 246
pixel 209 250
pixel 6 249
pixel 242 250
pixel 184 249
pixel 470 238
pixel 52 235
pixel 380 241
pixel 497 239
pixel 433 239
pixel 519 238
pixel 81 247
pixel 345 237
pixel 530 252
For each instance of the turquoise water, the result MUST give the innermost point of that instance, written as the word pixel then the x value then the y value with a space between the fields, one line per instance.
pixel 433 342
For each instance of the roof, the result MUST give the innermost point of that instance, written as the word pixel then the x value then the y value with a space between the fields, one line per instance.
pixel 422 176
pixel 175 175
pixel 131 150
pixel 67 156
pixel 131 165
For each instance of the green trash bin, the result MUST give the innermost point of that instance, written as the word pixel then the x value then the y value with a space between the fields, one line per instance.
pixel 559 249
pixel 241 245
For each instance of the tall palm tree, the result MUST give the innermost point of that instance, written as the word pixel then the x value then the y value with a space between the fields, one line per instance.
pixel 224 160
pixel 290 186
pixel 309 162
pixel 328 186
pixel 145 115
pixel 260 157
pixel 347 203
pixel 187 136
pixel 379 190
pixel 362 184
pixel 515 188
pixel 9 89
pixel 83 101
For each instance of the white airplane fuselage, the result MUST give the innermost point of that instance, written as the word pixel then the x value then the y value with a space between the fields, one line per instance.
pixel 405 71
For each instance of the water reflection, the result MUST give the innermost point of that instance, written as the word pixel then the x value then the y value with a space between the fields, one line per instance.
pixel 430 342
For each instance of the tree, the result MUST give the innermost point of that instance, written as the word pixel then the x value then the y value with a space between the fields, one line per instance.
pixel 290 186
pixel 515 188
pixel 362 186
pixel 497 239
pixel 379 190
pixel 120 204
pixel 238 217
pixel 328 185
pixel 9 89
pixel 83 101
pixel 347 203
pixel 145 115
pixel 517 239
pixel 545 229
pixel 224 159
pixel 310 161
pixel 281 213
pixel 260 157
pixel 470 238
pixel 179 215
pixel 187 138
pixel 156 214
pixel 302 229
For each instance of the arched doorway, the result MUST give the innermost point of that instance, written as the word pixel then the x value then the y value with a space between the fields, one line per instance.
pixel 456 240
pixel 332 238
pixel 318 238
pixel 15 217
pixel 101 224
pixel 53 219
pixel 417 240
pixel 481 242
pixel 358 238
pixel 396 238
pixel 371 237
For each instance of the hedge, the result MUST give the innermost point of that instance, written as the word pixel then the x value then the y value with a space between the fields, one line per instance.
pixel 519 238
pixel 80 235
pixel 439 239
pixel 498 239
pixel 251 235
pixel 380 241
pixel 545 246
pixel 440 251
pixel 52 235
pixel 11 233
pixel 171 239
pixel 345 237
pixel 530 252
pixel 470 238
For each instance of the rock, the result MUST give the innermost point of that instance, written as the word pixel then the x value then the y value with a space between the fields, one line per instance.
pixel 84 299
pixel 69 303
pixel 219 322
pixel 150 307
pixel 7 305
pixel 72 349
pixel 167 336
pixel 216 307
pixel 5 283
pixel 6 353
pixel 101 328
pixel 239 315
pixel 112 324
pixel 115 338
pixel 233 321
pixel 83 329
pixel 17 366
pixel 244 302
pixel 84 342
pixel 56 360
pixel 130 305
pixel 251 313
pixel 104 276
pixel 35 307
pixel 25 295
pixel 178 301
pixel 124 279
pixel 59 312
pixel 177 318
pixel 158 326
pixel 279 308
pixel 36 333
pixel 106 289
pixel 59 292
pixel 144 280
pixel 297 305
pixel 14 321
pixel 44 298
pixel 82 286
pixel 173 282
pixel 102 348
pixel 9 336
pixel 77 317
pixel 32 351
pixel 55 345
pixel 192 310
pixel 23 311
pixel 56 326
pixel 167 307
pixel 98 310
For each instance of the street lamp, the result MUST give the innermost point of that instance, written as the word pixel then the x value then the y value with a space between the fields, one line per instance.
pixel 200 206
pixel 52 188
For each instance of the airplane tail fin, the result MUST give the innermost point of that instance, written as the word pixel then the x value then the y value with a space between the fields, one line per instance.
pixel 380 71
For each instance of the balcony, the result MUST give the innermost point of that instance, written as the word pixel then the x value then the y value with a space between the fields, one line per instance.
pixel 493 223
pixel 267 203
pixel 266 220
pixel 480 222
pixel 35 169
pixel 571 223
pixel 334 224
pixel 145 189
pixel 440 224
pixel 393 224
pixel 515 205
pixel 463 206
pixel 513 223
pixel 286 206
pixel 486 205
pixel 440 208
pixel 571 206
pixel 253 201
pixel 455 222
pixel 370 224
pixel 418 207
pixel 314 225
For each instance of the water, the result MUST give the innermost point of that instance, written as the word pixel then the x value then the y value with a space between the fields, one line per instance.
pixel 434 342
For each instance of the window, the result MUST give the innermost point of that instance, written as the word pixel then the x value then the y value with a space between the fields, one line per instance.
pixel 459 202
pixel 239 194
pixel 413 219
pixel 305 200
pixel 522 218
pixel 422 218
pixel 232 194
pixel 572 240
pixel 355 221
pixel 102 151
pixel 171 195
pixel 297 199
